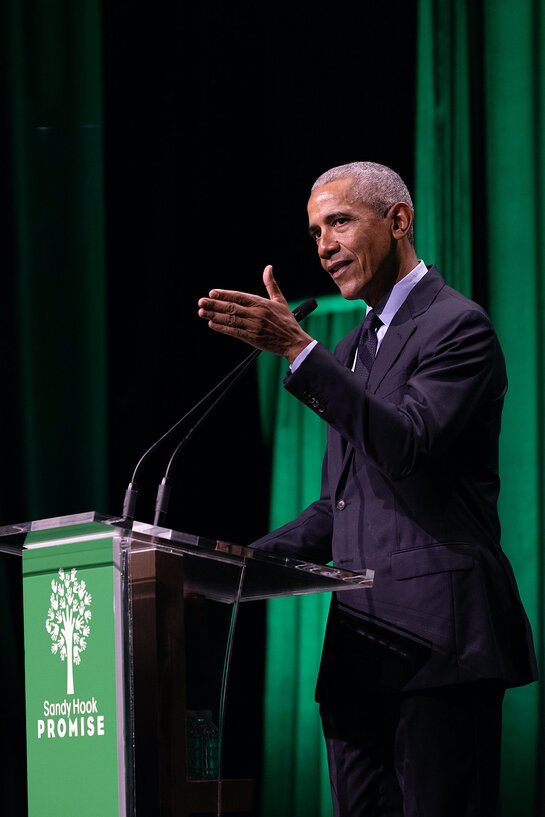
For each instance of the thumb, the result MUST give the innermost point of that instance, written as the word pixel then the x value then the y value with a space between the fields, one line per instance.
pixel 273 290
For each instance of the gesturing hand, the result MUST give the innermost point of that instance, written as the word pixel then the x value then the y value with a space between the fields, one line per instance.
pixel 266 323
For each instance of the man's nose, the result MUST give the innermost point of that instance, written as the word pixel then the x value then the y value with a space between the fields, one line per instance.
pixel 327 245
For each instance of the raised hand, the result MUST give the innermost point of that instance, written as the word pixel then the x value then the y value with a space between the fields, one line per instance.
pixel 266 323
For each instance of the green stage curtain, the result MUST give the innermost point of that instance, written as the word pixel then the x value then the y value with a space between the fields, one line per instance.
pixel 53 181
pixel 53 426
pixel 443 162
pixel 296 780
pixel 479 187
pixel 515 142
pixel 481 105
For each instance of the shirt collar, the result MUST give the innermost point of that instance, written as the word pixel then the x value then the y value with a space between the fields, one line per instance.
pixel 398 294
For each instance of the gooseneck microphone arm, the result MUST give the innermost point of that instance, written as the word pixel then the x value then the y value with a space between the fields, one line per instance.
pixel 163 492
pixel 131 493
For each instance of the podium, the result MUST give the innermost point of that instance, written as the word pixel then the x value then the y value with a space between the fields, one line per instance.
pixel 128 634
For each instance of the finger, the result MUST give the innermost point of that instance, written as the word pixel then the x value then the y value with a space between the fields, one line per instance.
pixel 211 306
pixel 227 314
pixel 234 297
pixel 228 324
pixel 273 290
pixel 233 331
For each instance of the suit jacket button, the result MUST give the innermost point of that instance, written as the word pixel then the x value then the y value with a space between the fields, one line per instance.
pixel 341 505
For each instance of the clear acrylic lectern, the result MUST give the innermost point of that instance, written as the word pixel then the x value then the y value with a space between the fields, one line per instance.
pixel 128 634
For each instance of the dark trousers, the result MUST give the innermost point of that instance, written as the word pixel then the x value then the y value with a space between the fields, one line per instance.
pixel 431 753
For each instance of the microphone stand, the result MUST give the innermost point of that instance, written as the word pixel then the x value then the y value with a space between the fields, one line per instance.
pixel 163 493
pixel 131 493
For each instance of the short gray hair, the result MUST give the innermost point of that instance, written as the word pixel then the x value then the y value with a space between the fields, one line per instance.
pixel 376 185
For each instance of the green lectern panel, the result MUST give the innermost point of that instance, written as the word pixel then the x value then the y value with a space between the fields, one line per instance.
pixel 74 673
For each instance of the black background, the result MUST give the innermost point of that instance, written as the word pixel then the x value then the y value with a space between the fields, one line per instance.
pixel 217 120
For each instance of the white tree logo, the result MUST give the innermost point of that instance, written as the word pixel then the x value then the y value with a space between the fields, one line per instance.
pixel 68 621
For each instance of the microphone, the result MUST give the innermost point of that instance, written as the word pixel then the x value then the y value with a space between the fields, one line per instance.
pixel 131 493
pixel 304 309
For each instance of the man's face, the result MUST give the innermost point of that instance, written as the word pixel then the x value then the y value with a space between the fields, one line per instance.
pixel 354 243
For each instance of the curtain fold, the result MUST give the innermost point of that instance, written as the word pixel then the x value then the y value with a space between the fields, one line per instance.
pixel 514 108
pixel 443 140
pixel 295 779
pixel 53 408
pixel 478 201
pixel 479 190
pixel 56 326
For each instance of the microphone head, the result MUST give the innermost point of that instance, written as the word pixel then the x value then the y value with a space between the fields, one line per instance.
pixel 304 309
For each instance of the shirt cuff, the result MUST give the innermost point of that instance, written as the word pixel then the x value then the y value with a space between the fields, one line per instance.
pixel 302 355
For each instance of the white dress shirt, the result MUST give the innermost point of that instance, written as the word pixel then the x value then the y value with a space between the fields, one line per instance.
pixel 385 311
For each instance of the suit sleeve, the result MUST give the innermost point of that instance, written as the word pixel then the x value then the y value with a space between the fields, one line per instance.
pixel 449 373
pixel 309 535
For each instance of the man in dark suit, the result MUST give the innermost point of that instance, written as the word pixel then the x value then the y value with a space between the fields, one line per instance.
pixel 414 670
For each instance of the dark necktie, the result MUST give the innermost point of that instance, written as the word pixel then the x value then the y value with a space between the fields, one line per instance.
pixel 367 344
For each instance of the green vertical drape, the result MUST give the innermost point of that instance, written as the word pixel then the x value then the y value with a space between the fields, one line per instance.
pixel 479 187
pixel 514 44
pixel 295 779
pixel 480 105
pixel 53 429
pixel 443 135
pixel 53 106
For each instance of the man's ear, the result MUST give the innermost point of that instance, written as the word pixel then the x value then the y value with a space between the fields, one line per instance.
pixel 401 215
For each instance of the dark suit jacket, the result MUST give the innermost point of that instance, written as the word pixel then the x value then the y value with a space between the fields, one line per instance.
pixel 409 490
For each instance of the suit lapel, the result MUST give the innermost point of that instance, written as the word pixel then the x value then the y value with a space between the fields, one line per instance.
pixel 391 347
pixel 403 325
pixel 346 350
pixel 400 330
